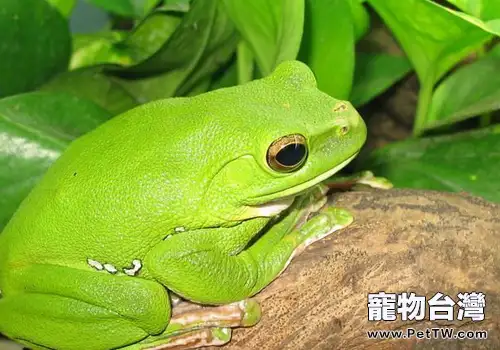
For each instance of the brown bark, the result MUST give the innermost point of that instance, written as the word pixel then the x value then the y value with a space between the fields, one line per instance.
pixel 401 240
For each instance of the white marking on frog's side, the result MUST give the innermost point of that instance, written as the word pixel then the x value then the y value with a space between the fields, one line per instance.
pixel 137 265
pixel 95 264
pixel 180 229
pixel 110 268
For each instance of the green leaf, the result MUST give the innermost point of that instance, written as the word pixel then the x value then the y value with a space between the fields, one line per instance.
pixel 99 48
pixel 495 51
pixel 472 90
pixel 273 29
pixel 127 8
pixel 123 8
pixel 374 74
pixel 122 48
pixel 465 162
pixel 176 5
pixel 90 84
pixel 433 37
pixel 492 25
pixel 361 19
pixel 150 36
pixel 226 78
pixel 220 48
pixel 203 34
pixel 177 50
pixel 483 9
pixel 65 7
pixel 200 87
pixel 36 44
pixel 327 50
pixel 144 7
pixel 245 63
pixel 34 129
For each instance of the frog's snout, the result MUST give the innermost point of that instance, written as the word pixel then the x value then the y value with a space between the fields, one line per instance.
pixel 356 127
pixel 355 120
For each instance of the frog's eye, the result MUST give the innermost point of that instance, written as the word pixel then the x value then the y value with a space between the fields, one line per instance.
pixel 288 153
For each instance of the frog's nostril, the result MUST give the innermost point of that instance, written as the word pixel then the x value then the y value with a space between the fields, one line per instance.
pixel 340 107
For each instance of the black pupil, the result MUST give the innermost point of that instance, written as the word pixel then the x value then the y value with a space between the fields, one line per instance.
pixel 291 155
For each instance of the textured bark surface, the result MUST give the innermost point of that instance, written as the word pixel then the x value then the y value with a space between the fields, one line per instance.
pixel 401 240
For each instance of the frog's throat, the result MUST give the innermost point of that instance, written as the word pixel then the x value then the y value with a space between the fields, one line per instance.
pixel 287 197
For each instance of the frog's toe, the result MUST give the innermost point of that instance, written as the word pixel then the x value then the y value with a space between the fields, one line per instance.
pixel 334 220
pixel 322 224
pixel 251 312
pixel 367 178
pixel 338 216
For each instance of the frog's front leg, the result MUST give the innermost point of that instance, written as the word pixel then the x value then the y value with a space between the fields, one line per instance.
pixel 275 259
pixel 224 265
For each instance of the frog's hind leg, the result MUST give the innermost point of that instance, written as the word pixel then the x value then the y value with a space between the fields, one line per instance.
pixel 193 326
pixel 42 321
pixel 63 308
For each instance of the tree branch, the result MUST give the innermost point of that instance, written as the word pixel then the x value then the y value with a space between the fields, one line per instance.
pixel 402 240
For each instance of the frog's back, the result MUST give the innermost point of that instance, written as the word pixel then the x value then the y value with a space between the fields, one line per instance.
pixel 118 190
pixel 103 196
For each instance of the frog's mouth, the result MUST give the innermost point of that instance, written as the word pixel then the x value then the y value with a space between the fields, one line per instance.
pixel 268 208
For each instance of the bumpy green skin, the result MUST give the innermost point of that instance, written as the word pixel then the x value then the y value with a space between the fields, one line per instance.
pixel 179 186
